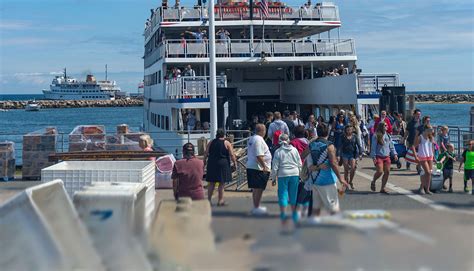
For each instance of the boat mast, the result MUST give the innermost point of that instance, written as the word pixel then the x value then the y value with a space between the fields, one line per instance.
pixel 212 71
pixel 65 73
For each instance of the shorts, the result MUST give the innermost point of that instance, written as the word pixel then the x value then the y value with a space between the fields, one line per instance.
pixel 326 196
pixel 304 197
pixel 427 158
pixel 347 156
pixel 448 173
pixel 287 190
pixel 468 174
pixel 257 179
pixel 385 161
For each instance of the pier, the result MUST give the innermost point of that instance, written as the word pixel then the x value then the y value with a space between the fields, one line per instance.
pixel 8 105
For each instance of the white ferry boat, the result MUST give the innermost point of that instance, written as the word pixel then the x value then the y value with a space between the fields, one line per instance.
pixel 32 106
pixel 293 59
pixel 67 88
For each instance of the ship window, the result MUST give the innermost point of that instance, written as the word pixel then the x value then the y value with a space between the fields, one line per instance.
pixel 159 76
pixel 162 122
pixel 167 123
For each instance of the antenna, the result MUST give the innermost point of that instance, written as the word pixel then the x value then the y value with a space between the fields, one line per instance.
pixel 65 73
pixel 105 72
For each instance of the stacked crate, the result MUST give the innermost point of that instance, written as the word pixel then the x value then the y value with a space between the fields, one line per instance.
pixel 7 161
pixel 120 143
pixel 87 138
pixel 37 146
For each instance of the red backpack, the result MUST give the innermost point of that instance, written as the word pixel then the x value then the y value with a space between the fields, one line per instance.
pixel 276 137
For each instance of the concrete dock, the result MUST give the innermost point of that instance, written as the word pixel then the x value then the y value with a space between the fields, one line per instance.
pixel 424 233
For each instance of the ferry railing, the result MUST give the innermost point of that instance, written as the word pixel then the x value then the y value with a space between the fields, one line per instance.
pixel 224 13
pixel 191 87
pixel 188 48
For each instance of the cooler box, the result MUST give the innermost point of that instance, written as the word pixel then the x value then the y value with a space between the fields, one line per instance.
pixel 77 174
pixel 436 180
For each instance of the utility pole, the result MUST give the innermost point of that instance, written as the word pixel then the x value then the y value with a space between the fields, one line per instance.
pixel 212 71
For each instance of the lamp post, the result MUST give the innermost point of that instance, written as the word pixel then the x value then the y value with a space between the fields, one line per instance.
pixel 212 71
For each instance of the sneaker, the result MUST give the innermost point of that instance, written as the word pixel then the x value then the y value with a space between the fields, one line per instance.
pixel 259 211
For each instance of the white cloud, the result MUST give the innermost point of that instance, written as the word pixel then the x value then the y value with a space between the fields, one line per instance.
pixel 14 25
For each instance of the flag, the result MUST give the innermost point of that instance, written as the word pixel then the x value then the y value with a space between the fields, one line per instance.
pixel 264 8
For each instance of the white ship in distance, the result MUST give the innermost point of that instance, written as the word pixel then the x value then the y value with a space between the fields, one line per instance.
pixel 68 88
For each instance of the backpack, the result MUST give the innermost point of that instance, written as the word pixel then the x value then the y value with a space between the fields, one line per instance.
pixel 319 151
pixel 276 137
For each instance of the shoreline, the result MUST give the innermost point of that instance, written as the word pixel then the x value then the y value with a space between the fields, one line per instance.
pixel 14 105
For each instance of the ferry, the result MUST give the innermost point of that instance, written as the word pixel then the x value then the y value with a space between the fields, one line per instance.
pixel 288 58
pixel 67 88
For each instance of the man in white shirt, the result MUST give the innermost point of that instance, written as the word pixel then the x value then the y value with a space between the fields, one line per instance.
pixel 258 167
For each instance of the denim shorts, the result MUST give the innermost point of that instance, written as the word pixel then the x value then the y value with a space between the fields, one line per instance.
pixel 347 156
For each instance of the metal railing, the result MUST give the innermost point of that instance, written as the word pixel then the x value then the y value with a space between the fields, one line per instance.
pixel 162 139
pixel 459 136
pixel 191 87
pixel 232 13
pixel 372 83
pixel 259 48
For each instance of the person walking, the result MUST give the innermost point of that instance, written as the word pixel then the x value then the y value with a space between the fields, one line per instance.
pixel 323 173
pixel 424 156
pixel 289 122
pixel 468 162
pixel 311 124
pixel 382 149
pixel 276 128
pixel 258 168
pixel 447 159
pixel 286 167
pixel 304 198
pixel 338 133
pixel 187 175
pixel 411 132
pixel 385 119
pixel 351 150
pixel 218 154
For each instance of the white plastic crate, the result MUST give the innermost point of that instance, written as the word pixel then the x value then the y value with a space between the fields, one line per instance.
pixel 77 174
pixel 137 189
pixel 114 218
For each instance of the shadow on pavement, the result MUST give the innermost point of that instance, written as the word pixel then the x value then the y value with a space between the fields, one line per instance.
pixel 454 205
pixel 242 215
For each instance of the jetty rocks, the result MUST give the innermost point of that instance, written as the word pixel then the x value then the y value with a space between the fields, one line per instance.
pixel 444 98
pixel 74 103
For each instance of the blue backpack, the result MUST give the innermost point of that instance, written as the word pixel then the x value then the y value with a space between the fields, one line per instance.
pixel 319 151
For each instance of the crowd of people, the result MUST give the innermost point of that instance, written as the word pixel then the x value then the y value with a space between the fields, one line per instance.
pixel 305 158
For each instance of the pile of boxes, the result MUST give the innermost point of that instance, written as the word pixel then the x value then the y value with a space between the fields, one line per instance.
pixel 87 138
pixel 37 146
pixel 94 138
pixel 7 161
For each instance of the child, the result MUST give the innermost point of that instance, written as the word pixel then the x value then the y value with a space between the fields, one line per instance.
pixel 443 139
pixel 447 158
pixel 468 161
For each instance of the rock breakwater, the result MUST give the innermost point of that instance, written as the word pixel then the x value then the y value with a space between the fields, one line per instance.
pixel 444 98
pixel 73 103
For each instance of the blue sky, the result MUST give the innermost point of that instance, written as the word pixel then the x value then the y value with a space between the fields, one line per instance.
pixel 430 43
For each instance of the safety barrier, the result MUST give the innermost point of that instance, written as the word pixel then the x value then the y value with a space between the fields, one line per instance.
pixel 43 232
pixel 111 215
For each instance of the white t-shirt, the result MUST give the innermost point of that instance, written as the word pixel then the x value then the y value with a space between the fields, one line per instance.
pixel 257 147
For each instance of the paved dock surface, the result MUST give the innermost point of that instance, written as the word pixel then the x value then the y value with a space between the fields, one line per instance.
pixel 425 233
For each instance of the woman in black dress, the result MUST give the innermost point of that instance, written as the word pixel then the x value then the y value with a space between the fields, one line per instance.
pixel 218 154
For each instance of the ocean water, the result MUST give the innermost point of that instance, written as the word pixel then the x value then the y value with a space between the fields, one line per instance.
pixel 15 123
pixel 447 114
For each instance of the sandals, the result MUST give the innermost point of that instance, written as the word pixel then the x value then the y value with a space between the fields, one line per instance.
pixel 384 191
pixel 221 204
pixel 372 186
